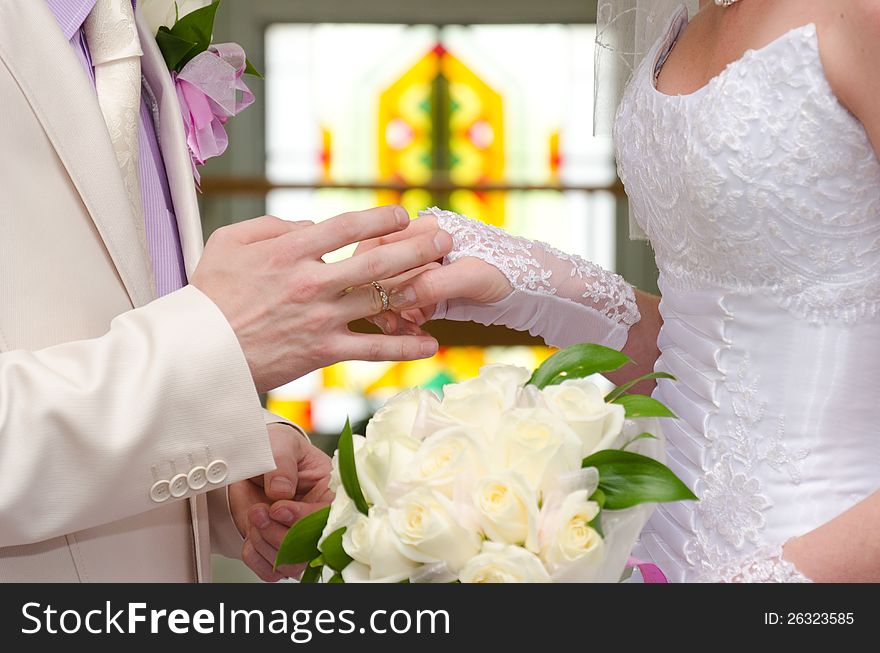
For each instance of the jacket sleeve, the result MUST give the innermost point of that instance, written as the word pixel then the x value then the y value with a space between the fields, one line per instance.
pixel 160 408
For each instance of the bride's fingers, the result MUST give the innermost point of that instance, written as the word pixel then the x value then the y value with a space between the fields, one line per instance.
pixel 456 280
pixel 419 316
pixel 393 324
pixel 397 324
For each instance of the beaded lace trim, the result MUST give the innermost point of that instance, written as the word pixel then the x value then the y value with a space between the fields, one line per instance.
pixel 765 566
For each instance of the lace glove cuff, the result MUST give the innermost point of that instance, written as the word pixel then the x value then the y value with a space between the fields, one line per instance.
pixel 563 299
pixel 765 566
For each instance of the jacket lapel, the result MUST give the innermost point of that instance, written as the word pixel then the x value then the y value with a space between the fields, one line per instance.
pixel 178 170
pixel 172 140
pixel 52 79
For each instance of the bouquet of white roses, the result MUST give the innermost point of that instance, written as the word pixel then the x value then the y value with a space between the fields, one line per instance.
pixel 510 477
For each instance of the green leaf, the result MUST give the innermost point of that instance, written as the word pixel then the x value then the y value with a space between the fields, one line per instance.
pixel 642 406
pixel 640 436
pixel 576 362
pixel 196 27
pixel 335 578
pixel 334 554
pixel 619 390
pixel 301 542
pixel 348 470
pixel 628 479
pixel 250 69
pixel 317 562
pixel 599 497
pixel 174 49
pixel 312 574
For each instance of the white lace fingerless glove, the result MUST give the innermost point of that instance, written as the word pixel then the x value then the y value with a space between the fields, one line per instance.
pixel 765 566
pixel 561 298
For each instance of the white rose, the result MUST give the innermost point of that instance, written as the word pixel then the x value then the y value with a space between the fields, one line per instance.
pixel 479 402
pixel 507 509
pixel 537 444
pixel 572 549
pixel 343 514
pixel 428 529
pixel 531 397
pixel 581 403
pixel 431 418
pixel 398 415
pixel 448 457
pixel 383 462
pixel 370 541
pixel 162 13
pixel 504 563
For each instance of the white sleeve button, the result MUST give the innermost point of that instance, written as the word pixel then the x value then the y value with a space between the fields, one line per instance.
pixel 218 470
pixel 197 478
pixel 160 491
pixel 179 486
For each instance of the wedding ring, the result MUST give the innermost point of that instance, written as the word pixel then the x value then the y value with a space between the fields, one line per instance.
pixel 383 294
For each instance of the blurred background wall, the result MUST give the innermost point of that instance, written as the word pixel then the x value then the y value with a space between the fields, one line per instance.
pixel 481 107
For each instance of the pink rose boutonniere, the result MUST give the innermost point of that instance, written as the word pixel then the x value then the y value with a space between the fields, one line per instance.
pixel 208 77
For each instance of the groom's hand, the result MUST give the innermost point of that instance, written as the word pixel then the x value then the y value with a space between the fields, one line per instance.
pixel 298 486
pixel 290 310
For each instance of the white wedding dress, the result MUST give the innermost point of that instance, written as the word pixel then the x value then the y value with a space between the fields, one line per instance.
pixel 760 194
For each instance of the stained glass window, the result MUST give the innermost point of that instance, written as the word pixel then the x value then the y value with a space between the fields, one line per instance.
pixel 433 112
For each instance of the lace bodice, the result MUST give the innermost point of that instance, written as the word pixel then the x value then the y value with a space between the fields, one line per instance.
pixel 760 180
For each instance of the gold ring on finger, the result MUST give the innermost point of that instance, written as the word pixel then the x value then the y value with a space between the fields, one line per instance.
pixel 383 294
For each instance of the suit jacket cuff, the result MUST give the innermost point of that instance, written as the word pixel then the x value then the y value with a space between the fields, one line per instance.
pixel 272 418
pixel 225 538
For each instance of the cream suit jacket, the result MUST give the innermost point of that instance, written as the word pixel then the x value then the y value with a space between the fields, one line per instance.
pixel 105 391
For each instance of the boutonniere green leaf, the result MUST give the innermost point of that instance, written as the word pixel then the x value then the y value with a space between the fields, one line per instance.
pixel 189 37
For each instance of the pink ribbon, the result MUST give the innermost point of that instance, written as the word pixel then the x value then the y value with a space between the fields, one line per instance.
pixel 650 572
pixel 211 91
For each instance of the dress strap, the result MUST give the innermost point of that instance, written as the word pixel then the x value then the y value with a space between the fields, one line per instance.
pixel 665 45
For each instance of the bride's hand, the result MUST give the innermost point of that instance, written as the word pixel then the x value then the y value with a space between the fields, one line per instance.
pixel 416 294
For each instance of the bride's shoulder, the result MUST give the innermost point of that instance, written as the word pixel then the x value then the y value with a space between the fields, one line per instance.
pixel 850 43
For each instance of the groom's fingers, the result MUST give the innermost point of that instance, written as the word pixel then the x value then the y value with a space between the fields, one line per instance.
pixel 281 482
pixel 345 229
pixel 267 551
pixel 287 513
pixel 258 564
pixel 263 228
pixel 391 260
pixel 416 227
pixel 369 347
